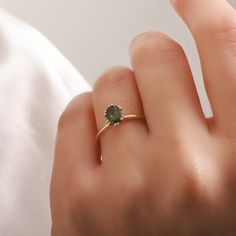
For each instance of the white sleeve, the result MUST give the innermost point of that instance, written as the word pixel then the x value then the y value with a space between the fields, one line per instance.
pixel 36 83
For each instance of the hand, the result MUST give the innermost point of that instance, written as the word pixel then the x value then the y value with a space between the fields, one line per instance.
pixel 174 174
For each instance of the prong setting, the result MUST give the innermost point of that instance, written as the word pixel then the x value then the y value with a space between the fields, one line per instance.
pixel 114 115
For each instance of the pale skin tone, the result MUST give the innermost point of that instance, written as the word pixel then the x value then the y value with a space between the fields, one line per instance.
pixel 174 174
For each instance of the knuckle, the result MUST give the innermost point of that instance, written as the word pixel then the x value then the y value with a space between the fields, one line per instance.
pixel 223 26
pixel 155 48
pixel 224 34
pixel 193 193
pixel 204 22
pixel 136 187
pixel 193 180
pixel 227 36
pixel 80 106
pixel 191 188
pixel 82 201
pixel 111 76
pixel 82 191
pixel 85 190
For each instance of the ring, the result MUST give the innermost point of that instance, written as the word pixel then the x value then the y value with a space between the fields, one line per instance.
pixel 114 117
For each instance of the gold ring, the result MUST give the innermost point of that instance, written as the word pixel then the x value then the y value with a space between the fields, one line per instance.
pixel 114 117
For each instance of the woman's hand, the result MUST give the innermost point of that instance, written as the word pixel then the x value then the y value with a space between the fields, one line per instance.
pixel 174 174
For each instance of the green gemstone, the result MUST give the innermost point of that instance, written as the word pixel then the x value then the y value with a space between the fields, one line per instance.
pixel 113 114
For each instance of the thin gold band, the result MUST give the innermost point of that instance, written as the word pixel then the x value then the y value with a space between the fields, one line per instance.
pixel 125 117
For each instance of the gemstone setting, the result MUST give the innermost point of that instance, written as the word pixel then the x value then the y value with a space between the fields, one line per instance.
pixel 114 115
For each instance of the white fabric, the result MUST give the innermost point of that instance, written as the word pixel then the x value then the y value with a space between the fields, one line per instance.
pixel 36 83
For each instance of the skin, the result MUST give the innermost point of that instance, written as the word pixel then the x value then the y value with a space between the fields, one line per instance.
pixel 174 174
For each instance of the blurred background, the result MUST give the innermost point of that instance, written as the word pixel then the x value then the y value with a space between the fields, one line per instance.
pixel 95 34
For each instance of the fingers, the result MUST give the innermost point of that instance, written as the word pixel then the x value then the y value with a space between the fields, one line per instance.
pixel 77 156
pixel 213 25
pixel 118 86
pixel 212 16
pixel 165 83
pixel 76 148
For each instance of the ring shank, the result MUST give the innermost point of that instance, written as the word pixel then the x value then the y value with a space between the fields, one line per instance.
pixel 126 117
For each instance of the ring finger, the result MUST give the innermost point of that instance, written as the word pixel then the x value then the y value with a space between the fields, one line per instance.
pixel 118 86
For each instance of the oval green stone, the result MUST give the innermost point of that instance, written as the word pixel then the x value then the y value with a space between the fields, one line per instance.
pixel 113 114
